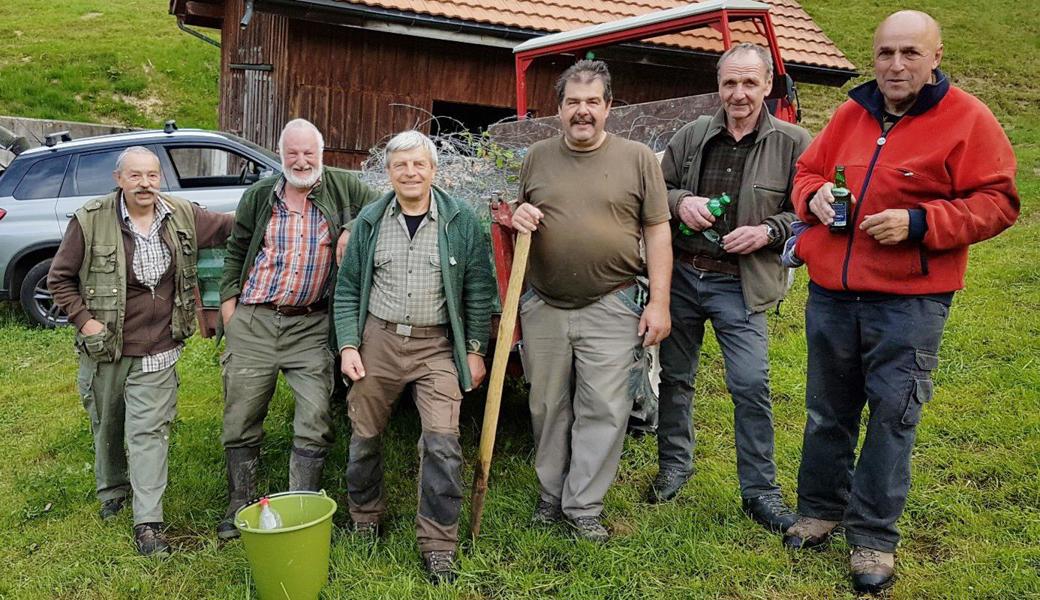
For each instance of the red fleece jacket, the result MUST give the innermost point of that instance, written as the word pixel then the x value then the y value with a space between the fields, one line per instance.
pixel 948 156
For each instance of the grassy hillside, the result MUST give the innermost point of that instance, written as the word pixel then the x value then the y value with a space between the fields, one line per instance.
pixel 120 62
pixel 972 525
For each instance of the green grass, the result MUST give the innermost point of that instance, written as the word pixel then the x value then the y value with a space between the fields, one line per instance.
pixel 121 62
pixel 972 524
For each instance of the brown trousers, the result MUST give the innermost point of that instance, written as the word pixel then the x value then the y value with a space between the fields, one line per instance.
pixel 392 361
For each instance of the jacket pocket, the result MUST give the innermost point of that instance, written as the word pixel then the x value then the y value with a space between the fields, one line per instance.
pixel 102 258
pixel 94 346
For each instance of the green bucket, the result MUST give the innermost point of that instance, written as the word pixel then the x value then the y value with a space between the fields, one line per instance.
pixel 292 562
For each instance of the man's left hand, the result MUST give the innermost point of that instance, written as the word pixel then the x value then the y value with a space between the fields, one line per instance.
pixel 341 246
pixel 655 324
pixel 477 370
pixel 888 227
pixel 746 239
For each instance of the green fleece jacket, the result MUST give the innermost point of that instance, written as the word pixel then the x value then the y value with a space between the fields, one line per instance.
pixel 469 282
pixel 339 197
pixel 765 195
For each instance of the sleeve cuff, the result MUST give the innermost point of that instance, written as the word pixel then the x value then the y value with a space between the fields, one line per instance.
pixel 918 224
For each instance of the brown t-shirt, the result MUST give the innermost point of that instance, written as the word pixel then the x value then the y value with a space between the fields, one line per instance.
pixel 595 205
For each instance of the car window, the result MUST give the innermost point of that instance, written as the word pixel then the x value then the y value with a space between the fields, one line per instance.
pixel 94 173
pixel 203 167
pixel 43 179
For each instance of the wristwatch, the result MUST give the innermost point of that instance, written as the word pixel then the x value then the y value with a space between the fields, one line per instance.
pixel 772 233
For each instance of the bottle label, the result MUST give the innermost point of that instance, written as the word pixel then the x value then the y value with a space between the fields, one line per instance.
pixel 841 214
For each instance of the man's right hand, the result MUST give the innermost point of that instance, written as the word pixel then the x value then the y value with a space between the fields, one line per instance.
pixel 350 363
pixel 92 327
pixel 820 204
pixel 526 218
pixel 227 309
pixel 693 210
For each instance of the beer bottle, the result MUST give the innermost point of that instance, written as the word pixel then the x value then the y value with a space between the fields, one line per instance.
pixel 842 204
pixel 716 206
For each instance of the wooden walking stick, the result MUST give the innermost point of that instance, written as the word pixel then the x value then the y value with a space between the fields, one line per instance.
pixel 503 343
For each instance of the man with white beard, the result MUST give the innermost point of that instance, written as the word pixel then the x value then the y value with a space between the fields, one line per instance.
pixel 279 272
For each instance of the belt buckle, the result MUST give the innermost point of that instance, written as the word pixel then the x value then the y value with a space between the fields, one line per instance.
pixel 405 330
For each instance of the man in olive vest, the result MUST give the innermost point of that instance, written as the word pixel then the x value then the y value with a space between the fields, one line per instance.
pixel 125 274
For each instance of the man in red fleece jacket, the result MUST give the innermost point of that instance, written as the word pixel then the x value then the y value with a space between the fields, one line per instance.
pixel 931 172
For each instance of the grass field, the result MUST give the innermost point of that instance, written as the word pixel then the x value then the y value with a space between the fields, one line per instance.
pixel 972 524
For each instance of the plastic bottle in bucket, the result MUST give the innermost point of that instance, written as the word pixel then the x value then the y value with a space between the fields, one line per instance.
pixel 269 519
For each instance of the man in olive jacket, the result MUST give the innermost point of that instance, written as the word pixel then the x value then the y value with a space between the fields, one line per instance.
pixel 730 280
pixel 278 275
pixel 126 275
pixel 413 306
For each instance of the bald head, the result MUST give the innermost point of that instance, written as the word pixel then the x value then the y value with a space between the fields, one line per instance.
pixel 907 49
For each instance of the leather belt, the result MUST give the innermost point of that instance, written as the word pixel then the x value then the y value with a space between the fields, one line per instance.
pixel 430 331
pixel 712 265
pixel 289 310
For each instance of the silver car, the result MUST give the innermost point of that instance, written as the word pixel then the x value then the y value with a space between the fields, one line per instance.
pixel 42 188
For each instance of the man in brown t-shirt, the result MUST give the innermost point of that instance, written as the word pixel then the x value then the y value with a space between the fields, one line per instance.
pixel 589 197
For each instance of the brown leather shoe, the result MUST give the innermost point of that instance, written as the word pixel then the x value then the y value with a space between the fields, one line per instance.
pixel 872 570
pixel 808 532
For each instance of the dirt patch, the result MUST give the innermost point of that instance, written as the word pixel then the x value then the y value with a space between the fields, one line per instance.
pixel 149 106
pixel 91 15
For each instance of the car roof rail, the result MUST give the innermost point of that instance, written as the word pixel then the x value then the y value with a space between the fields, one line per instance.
pixel 53 139
pixel 170 126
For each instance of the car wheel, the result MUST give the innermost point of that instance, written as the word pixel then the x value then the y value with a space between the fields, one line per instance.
pixel 36 299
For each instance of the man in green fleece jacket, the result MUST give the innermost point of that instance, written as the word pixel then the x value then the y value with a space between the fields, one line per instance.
pixel 413 306
pixel 278 276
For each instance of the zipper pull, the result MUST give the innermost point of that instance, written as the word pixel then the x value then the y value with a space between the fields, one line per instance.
pixel 881 141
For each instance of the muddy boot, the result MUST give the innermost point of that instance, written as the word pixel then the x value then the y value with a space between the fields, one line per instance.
pixel 241 474
pixel 305 467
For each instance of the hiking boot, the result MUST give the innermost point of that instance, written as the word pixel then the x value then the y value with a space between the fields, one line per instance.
pixel 440 566
pixel 589 528
pixel 770 512
pixel 808 532
pixel 546 513
pixel 666 485
pixel 365 531
pixel 305 467
pixel 110 508
pixel 872 570
pixel 241 474
pixel 150 539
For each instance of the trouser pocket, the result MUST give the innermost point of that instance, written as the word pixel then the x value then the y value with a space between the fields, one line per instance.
pixel 921 386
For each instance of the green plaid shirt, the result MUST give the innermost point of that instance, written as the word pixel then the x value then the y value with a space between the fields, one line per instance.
pixel 722 170
pixel 406 279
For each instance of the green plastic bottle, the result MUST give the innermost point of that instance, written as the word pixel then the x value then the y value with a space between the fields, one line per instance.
pixel 716 206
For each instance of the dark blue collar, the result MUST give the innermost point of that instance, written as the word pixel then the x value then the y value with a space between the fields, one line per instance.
pixel 868 95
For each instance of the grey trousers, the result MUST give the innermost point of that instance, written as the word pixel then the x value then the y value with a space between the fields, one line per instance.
pixel 125 404
pixel 581 364
pixel 260 343
pixel 697 297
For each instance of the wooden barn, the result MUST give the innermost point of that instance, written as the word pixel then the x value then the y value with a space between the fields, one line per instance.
pixel 364 69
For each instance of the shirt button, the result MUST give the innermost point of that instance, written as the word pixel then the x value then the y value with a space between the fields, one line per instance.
pixel 728 170
pixel 409 294
pixel 409 270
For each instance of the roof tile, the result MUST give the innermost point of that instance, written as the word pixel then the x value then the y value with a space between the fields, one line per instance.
pixel 801 40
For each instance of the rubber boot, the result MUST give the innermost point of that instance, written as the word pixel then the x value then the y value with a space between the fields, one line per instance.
pixel 305 467
pixel 241 474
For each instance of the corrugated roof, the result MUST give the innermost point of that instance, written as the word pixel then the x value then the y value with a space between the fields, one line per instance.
pixel 801 40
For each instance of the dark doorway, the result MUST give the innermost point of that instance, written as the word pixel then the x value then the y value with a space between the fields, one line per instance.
pixel 454 117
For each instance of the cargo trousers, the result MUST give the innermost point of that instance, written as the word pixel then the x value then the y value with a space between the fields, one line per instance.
pixel 877 353
pixel 392 360
pixel 585 367
pixel 260 344
pixel 127 405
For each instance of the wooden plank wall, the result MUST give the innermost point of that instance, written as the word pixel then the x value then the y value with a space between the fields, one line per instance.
pixel 360 87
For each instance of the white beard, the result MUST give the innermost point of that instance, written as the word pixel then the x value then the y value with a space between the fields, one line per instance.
pixel 303 183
